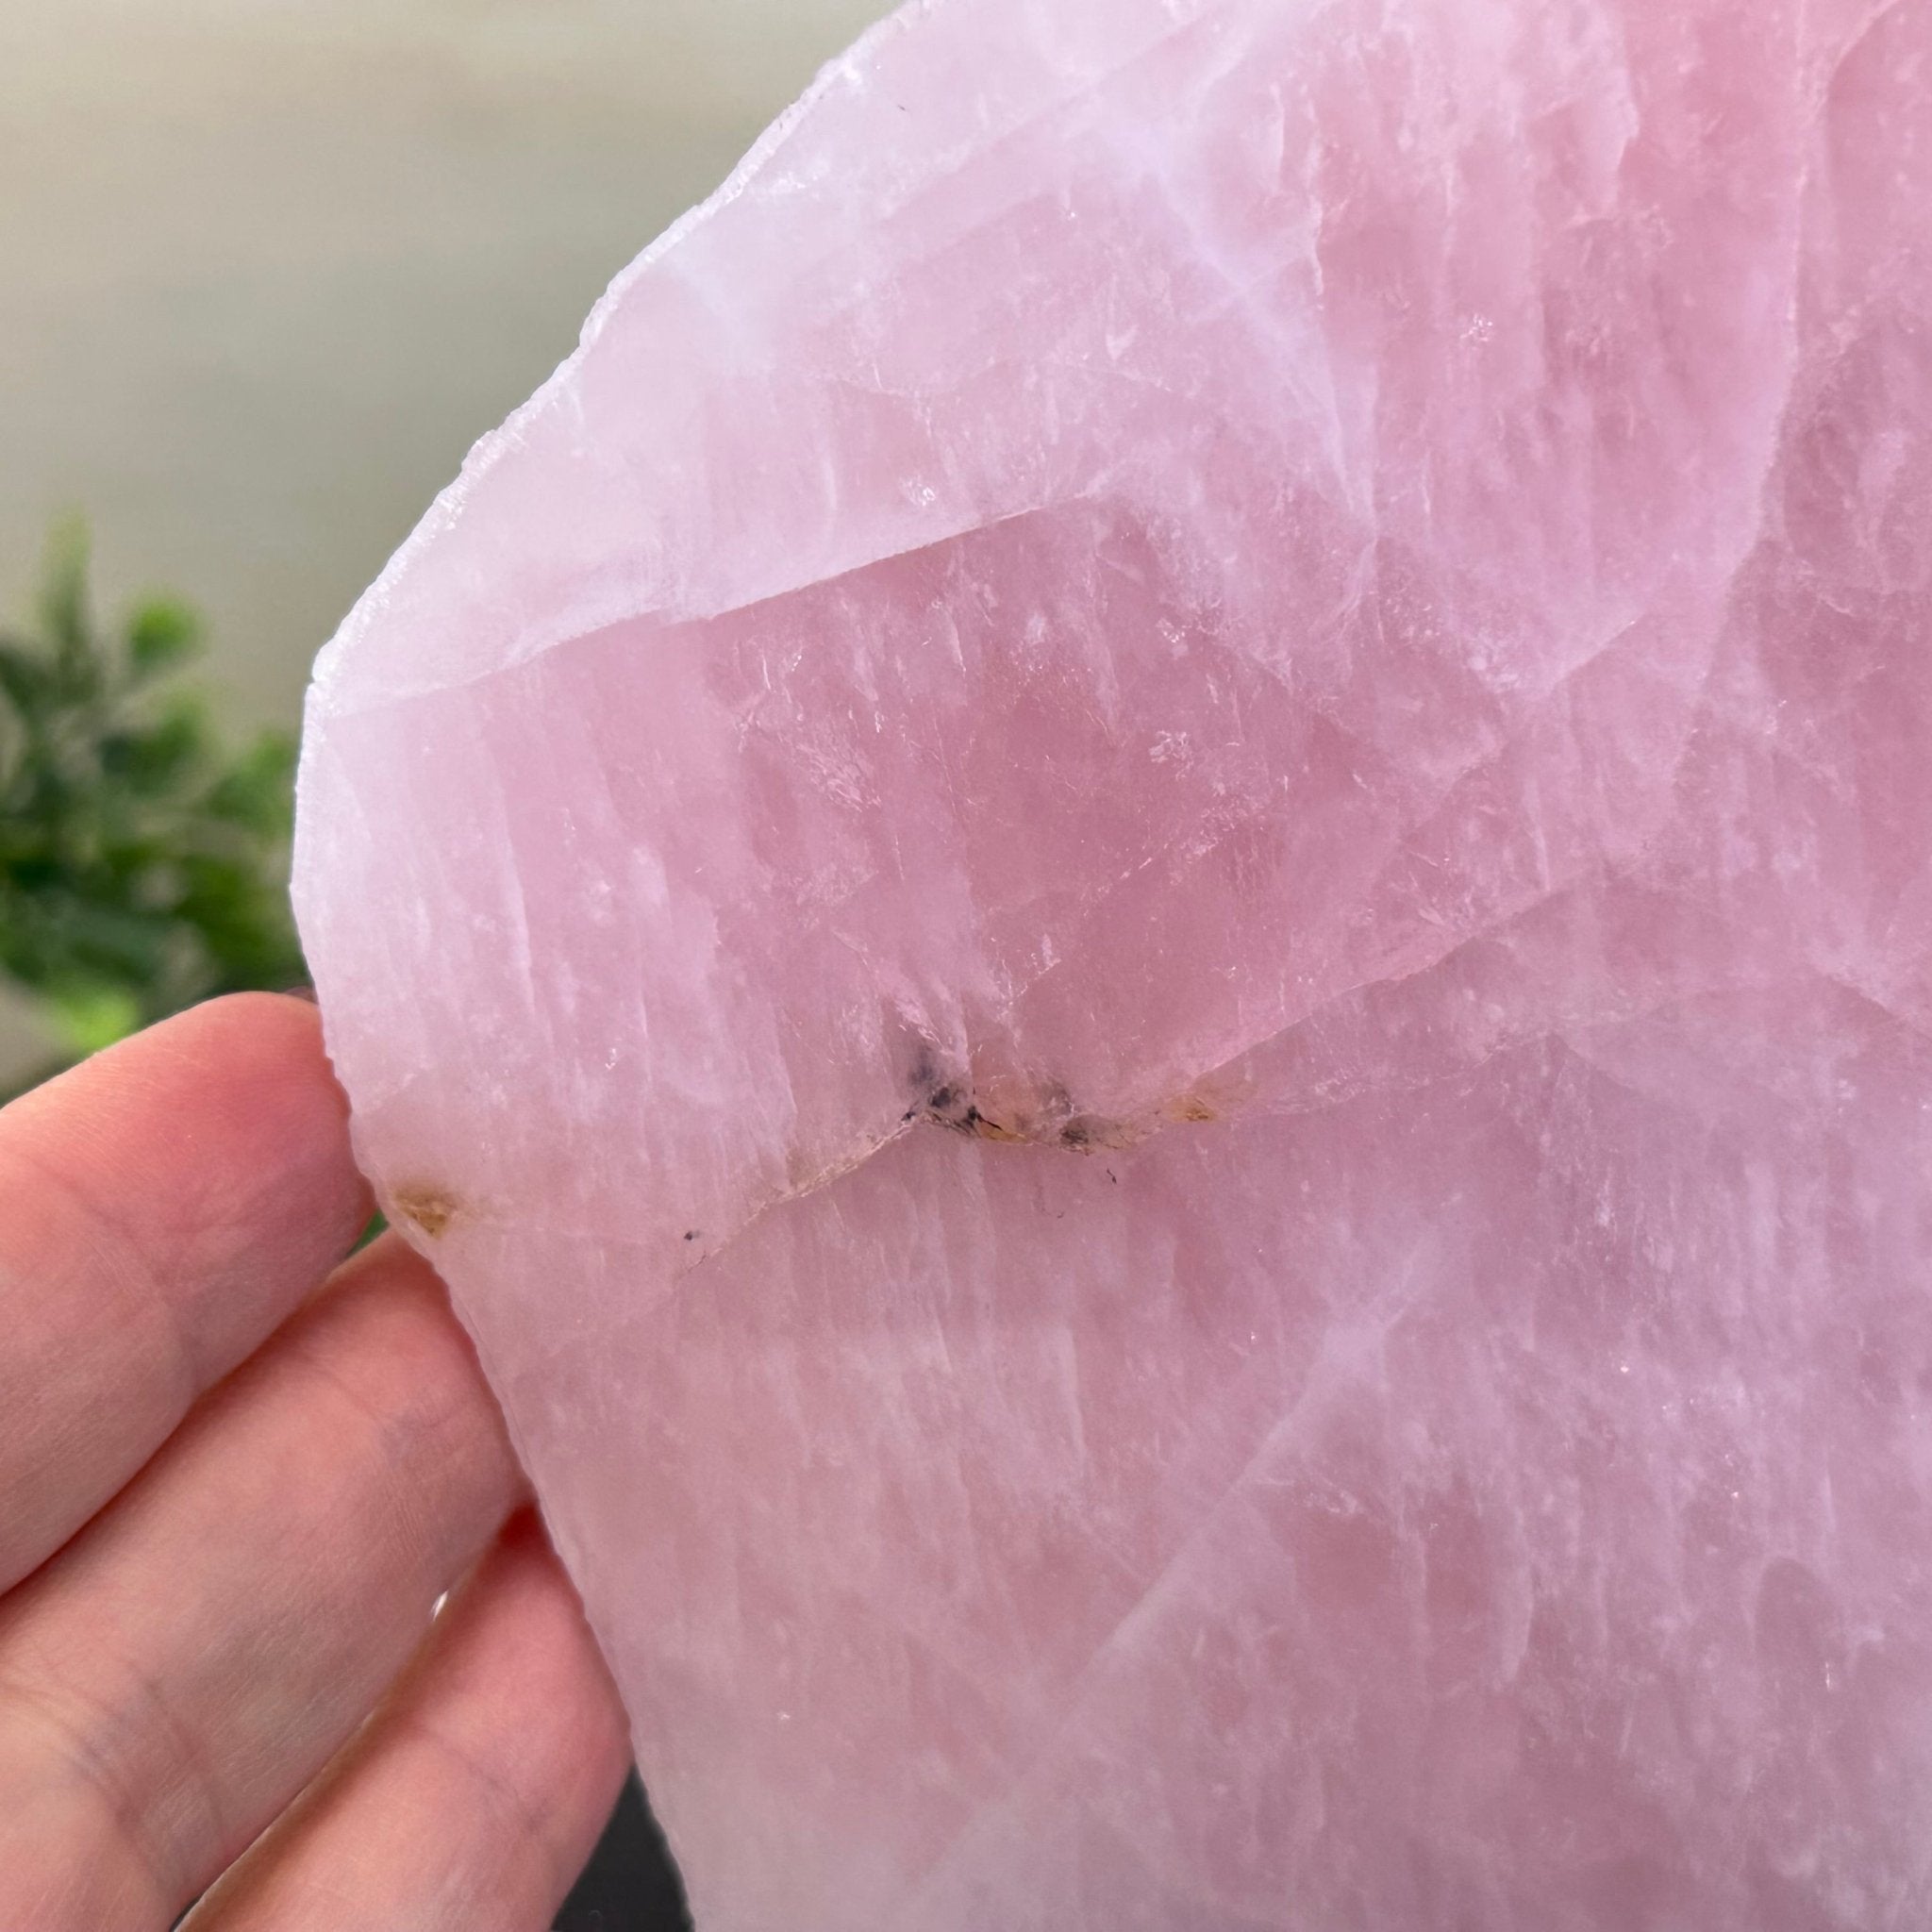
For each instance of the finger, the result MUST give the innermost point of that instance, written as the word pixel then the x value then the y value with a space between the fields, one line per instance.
pixel 471 1799
pixel 162 1207
pixel 179 1671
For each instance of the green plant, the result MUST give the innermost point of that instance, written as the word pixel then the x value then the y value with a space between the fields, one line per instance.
pixel 143 857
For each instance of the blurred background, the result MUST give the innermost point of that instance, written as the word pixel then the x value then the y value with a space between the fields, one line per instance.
pixel 267 269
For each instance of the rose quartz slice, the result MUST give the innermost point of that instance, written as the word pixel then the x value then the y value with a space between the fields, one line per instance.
pixel 1142 906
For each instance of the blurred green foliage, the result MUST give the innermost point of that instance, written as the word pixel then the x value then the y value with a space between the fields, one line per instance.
pixel 143 857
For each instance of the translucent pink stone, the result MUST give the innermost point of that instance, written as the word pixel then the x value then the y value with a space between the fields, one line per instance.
pixel 1142 906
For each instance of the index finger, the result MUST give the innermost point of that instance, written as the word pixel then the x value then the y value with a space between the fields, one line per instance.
pixel 162 1207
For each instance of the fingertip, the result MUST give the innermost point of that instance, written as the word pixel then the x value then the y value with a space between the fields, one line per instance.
pixel 244 1080
pixel 168 1203
pixel 475 1794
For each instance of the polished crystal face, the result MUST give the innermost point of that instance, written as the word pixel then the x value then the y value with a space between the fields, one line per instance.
pixel 1142 906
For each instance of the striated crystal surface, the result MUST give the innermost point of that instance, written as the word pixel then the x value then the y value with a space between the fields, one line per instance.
pixel 1141 906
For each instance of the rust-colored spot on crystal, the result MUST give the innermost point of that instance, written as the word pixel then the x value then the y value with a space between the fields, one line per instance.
pixel 428 1209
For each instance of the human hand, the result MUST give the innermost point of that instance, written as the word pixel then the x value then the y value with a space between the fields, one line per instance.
pixel 233 1485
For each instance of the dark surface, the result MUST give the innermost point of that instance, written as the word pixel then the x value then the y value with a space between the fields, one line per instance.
pixel 630 1884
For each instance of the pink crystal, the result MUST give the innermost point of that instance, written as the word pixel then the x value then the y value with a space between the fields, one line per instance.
pixel 1312 624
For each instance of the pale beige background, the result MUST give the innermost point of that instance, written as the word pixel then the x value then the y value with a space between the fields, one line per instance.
pixel 267 267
